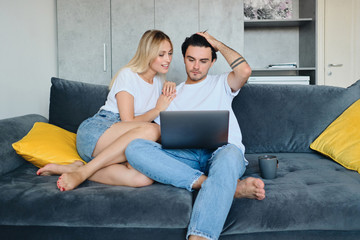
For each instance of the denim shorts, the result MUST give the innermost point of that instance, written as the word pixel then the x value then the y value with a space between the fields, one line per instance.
pixel 91 130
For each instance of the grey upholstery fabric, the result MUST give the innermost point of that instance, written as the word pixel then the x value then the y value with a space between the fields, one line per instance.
pixel 12 130
pixel 71 102
pixel 288 118
pixel 310 192
pixel 312 198
pixel 35 200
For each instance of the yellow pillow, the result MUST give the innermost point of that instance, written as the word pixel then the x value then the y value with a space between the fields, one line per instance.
pixel 47 143
pixel 341 139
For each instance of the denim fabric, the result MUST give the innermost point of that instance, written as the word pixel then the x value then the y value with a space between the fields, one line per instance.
pixel 182 167
pixel 91 130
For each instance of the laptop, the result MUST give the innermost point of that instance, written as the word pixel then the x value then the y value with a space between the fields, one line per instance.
pixel 194 129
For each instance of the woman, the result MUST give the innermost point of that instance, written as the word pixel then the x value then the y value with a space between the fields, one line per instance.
pixel 134 101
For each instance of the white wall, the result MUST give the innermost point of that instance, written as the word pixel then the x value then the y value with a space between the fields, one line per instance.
pixel 28 56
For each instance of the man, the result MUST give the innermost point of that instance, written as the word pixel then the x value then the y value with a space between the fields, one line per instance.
pixel 215 173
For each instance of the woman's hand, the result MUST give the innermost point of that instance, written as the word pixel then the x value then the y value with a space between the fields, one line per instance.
pixel 169 88
pixel 163 102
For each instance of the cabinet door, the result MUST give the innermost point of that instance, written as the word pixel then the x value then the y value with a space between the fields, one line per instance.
pixel 178 19
pixel 129 20
pixel 84 50
pixel 225 20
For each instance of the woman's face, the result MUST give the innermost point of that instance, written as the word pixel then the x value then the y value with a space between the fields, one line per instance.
pixel 162 62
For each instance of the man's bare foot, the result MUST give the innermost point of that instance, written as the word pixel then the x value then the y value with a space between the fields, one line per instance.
pixel 250 187
pixel 57 169
pixel 69 181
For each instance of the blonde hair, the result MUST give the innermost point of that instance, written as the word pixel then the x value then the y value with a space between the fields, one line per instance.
pixel 148 49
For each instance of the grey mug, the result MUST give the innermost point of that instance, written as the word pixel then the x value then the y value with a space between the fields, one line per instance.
pixel 268 166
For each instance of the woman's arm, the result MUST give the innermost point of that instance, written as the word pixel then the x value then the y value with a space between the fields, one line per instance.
pixel 125 102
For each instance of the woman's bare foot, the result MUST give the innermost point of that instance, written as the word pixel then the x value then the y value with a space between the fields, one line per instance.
pixel 250 187
pixel 69 181
pixel 57 169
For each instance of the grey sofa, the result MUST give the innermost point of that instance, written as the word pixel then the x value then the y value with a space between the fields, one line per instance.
pixel 312 198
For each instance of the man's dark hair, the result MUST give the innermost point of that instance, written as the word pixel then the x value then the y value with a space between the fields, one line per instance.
pixel 196 40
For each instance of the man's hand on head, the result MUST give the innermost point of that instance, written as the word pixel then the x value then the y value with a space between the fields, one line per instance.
pixel 213 41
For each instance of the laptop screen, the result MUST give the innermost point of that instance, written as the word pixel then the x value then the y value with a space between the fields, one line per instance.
pixel 194 129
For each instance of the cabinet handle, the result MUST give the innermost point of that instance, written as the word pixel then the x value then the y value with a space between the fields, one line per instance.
pixel 335 65
pixel 105 58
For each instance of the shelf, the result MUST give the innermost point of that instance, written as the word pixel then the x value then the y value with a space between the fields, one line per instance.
pixel 276 23
pixel 283 69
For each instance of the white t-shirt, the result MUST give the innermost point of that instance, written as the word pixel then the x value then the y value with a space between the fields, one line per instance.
pixel 145 94
pixel 213 93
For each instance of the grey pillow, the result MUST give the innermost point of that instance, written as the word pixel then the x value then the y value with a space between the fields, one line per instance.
pixel 72 102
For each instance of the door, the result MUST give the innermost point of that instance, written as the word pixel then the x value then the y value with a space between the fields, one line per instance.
pixel 84 45
pixel 342 42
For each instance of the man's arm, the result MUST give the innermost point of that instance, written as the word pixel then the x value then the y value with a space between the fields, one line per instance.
pixel 241 69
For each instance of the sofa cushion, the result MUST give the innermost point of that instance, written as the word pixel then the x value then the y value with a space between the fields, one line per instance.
pixel 288 118
pixel 31 200
pixel 311 192
pixel 12 130
pixel 72 102
pixel 47 143
pixel 341 140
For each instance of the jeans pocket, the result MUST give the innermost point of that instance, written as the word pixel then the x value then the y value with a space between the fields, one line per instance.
pixel 107 115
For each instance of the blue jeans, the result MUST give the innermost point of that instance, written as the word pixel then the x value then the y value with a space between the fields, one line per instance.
pixel 183 167
pixel 91 130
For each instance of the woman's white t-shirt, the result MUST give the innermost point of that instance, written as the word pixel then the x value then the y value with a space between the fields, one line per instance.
pixel 145 94
pixel 213 93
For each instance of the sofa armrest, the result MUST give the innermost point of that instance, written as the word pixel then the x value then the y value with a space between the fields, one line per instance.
pixel 12 130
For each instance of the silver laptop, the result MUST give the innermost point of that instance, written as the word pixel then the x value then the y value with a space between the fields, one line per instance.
pixel 194 129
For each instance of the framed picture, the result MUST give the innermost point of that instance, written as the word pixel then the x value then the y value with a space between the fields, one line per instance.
pixel 267 9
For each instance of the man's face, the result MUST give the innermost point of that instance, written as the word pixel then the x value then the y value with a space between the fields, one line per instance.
pixel 197 63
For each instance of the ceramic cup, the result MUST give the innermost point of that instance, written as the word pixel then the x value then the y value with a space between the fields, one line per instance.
pixel 268 166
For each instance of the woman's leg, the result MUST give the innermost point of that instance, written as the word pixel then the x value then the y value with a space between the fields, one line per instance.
pixel 121 175
pixel 109 136
pixel 58 169
pixel 109 150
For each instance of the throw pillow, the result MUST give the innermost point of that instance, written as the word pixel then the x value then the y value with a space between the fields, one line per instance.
pixel 47 143
pixel 341 139
pixel 71 102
